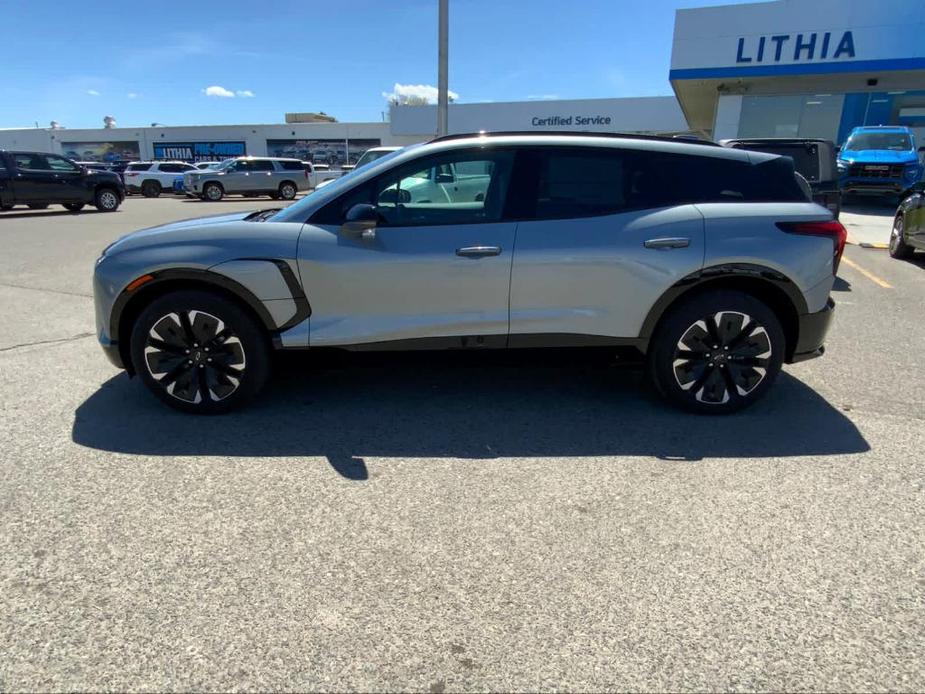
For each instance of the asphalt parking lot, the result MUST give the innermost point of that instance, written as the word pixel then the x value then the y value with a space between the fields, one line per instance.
pixel 443 523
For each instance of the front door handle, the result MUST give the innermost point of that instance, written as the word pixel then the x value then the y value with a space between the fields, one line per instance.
pixel 478 251
pixel 668 243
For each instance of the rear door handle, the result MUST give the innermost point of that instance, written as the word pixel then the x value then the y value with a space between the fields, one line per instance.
pixel 667 243
pixel 478 251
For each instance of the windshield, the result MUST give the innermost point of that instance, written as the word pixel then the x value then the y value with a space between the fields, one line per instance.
pixel 899 142
pixel 371 155
pixel 298 212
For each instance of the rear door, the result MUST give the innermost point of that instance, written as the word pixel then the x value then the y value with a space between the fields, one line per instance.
pixel 263 175
pixel 33 182
pixel 599 241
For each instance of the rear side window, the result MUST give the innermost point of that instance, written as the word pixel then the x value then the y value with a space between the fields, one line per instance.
pixel 171 168
pixel 292 165
pixel 137 167
pixel 262 165
pixel 30 161
pixel 563 183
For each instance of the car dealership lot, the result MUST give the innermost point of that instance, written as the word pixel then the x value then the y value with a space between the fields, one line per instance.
pixel 446 522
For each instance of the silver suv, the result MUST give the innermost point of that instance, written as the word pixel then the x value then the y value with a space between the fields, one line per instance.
pixel 711 263
pixel 278 178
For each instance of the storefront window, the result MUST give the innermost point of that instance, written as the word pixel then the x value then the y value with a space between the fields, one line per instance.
pixel 815 115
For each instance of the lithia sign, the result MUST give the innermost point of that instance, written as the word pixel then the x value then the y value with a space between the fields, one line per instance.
pixel 799 48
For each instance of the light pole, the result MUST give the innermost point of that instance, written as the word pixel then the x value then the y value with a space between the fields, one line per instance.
pixel 442 76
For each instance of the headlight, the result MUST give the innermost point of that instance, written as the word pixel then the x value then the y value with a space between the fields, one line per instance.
pixel 841 165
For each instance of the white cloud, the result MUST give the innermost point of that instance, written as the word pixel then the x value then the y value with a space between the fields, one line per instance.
pixel 93 92
pixel 416 93
pixel 132 95
pixel 216 90
pixel 543 97
pixel 245 93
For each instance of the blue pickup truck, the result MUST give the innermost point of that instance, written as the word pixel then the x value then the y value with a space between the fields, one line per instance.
pixel 879 160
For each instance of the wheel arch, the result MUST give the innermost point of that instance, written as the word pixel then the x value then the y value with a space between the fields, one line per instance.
pixel 769 286
pixel 129 304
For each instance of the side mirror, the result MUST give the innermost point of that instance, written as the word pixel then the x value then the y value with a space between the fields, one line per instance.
pixel 444 178
pixel 360 222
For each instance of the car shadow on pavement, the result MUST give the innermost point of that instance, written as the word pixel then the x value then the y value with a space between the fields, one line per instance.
pixel 472 406
pixel 48 213
pixel 874 207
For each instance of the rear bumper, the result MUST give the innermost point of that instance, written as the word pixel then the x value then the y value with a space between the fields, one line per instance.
pixel 812 330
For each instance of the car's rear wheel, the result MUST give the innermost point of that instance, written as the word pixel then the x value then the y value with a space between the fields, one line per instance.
pixel 212 192
pixel 717 352
pixel 151 189
pixel 73 206
pixel 200 352
pixel 106 200
pixel 287 190
pixel 899 249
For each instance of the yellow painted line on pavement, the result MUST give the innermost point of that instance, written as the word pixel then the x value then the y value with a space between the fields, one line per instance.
pixel 867 273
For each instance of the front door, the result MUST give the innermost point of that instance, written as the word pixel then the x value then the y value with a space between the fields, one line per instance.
pixel 67 179
pixel 434 271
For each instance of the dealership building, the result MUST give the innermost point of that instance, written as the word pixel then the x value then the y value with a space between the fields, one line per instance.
pixel 788 68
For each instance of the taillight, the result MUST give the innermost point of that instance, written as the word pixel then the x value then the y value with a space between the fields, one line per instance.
pixel 833 230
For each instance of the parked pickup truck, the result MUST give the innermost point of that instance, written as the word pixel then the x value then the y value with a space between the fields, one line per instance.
pixel 879 160
pixel 813 159
pixel 40 179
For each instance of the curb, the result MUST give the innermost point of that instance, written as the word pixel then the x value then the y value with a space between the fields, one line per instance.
pixel 877 246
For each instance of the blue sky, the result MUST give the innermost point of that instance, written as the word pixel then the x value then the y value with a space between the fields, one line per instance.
pixel 144 62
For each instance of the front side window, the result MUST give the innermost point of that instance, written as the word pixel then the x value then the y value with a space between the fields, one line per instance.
pixel 60 164
pixel 242 165
pixel 428 192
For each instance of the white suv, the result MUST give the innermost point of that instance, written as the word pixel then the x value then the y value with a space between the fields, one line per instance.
pixel 151 177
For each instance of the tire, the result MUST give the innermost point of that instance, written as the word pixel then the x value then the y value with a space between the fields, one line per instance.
pixel 151 189
pixel 177 336
pixel 690 365
pixel 73 206
pixel 212 192
pixel 273 196
pixel 5 208
pixel 288 190
pixel 899 249
pixel 38 206
pixel 106 200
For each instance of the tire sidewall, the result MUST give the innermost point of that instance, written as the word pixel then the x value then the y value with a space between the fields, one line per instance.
pixel 680 318
pixel 253 341
pixel 899 250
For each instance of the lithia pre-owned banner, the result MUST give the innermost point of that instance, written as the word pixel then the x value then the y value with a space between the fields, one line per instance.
pixel 199 151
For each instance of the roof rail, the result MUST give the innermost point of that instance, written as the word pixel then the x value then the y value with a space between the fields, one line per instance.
pixel 576 133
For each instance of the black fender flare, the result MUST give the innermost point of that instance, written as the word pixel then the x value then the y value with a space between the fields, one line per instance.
pixel 717 274
pixel 204 277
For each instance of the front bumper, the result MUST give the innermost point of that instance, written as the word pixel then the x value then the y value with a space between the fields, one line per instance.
pixel 812 329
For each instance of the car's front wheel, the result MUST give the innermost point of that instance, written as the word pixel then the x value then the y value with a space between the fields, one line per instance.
pixel 717 352
pixel 106 200
pixel 899 249
pixel 212 192
pixel 200 352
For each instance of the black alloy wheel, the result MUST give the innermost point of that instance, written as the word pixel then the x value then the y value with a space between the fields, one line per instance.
pixel 199 352
pixel 718 352
pixel 287 191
